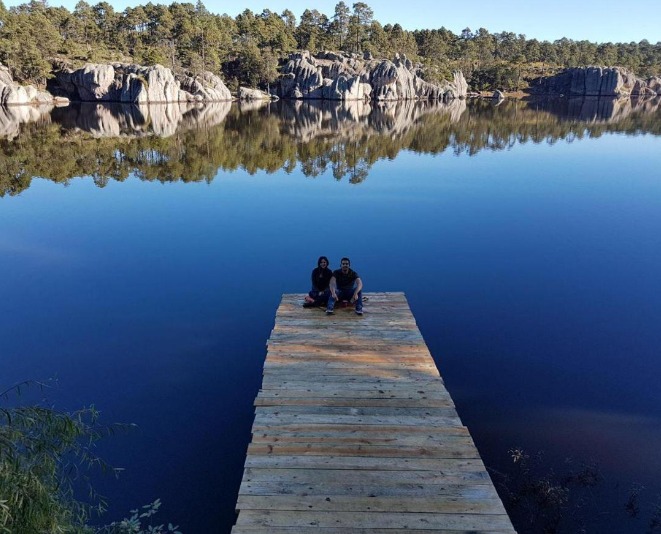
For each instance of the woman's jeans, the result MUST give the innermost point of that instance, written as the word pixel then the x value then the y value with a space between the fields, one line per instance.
pixel 320 297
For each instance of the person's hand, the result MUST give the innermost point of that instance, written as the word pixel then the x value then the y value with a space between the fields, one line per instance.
pixel 334 295
pixel 354 298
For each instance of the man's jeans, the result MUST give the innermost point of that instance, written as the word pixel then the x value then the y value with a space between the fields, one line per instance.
pixel 346 294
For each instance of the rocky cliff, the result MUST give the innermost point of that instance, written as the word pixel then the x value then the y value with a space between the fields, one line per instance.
pixel 596 81
pixel 331 76
pixel 12 93
pixel 119 82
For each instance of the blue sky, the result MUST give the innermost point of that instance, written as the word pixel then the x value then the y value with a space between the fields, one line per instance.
pixel 606 20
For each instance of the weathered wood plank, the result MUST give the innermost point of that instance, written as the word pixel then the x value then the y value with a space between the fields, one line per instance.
pixel 454 485
pixel 269 518
pixel 375 451
pixel 345 503
pixel 335 429
pixel 355 433
pixel 345 530
pixel 379 420
pixel 449 466
pixel 352 402
pixel 342 477
pixel 398 439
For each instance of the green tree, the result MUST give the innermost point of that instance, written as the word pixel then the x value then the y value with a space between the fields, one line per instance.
pixel 311 30
pixel 359 24
pixel 276 33
pixel 340 24
pixel 27 42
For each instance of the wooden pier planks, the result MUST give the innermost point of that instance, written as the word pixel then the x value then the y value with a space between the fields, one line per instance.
pixel 355 432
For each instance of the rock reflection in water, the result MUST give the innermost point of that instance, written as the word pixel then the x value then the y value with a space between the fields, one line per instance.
pixel 341 139
pixel 309 119
pixel 11 118
pixel 131 120
pixel 598 110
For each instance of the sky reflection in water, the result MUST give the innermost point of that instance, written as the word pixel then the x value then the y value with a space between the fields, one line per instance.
pixel 532 273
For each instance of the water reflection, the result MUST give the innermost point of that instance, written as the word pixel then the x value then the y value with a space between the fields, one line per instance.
pixel 603 110
pixel 160 120
pixel 193 142
pixel 12 117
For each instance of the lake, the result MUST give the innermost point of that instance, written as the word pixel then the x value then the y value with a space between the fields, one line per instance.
pixel 144 252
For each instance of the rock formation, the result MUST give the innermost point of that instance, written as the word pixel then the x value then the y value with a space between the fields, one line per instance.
pixel 12 93
pixel 248 94
pixel 331 76
pixel 596 81
pixel 119 82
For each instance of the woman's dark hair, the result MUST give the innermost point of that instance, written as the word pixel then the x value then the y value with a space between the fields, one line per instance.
pixel 323 258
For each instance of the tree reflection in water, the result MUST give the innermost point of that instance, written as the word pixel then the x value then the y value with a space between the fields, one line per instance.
pixel 193 142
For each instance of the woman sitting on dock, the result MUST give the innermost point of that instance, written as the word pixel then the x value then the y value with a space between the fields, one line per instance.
pixel 321 276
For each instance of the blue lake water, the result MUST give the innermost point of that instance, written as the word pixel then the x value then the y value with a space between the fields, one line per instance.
pixel 532 269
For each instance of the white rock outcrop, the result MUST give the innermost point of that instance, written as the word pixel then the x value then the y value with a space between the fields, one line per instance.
pixel 120 82
pixel 332 76
pixel 12 94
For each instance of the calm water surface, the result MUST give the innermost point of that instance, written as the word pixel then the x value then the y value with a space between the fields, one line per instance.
pixel 143 259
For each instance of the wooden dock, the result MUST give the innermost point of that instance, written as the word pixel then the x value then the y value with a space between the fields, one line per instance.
pixel 355 432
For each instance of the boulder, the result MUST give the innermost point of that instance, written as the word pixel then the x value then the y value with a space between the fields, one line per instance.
pixel 137 84
pixel 93 82
pixel 301 77
pixel 596 81
pixel 333 76
pixel 246 93
pixel 392 81
pixel 398 81
pixel 654 85
pixel 5 75
pixel 459 84
pixel 161 84
pixel 344 88
pixel 12 93
pixel 207 86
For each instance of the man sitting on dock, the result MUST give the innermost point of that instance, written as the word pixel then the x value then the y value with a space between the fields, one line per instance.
pixel 345 285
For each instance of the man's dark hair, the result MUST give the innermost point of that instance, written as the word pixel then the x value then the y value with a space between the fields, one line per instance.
pixel 320 260
pixel 345 259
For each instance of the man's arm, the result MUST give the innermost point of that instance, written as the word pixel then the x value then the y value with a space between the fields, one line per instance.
pixel 332 285
pixel 359 287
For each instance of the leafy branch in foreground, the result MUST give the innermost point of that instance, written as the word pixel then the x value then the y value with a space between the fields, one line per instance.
pixel 133 524
pixel 43 454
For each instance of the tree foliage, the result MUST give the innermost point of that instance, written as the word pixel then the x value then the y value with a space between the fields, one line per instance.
pixel 39 448
pixel 270 139
pixel 188 37
pixel 44 456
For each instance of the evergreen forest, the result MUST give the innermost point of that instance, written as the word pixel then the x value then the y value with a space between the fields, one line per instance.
pixel 36 39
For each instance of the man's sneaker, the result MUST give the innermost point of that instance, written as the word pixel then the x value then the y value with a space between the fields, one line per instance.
pixel 359 312
pixel 329 311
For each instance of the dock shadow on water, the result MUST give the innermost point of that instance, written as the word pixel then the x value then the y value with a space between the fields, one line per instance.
pixel 193 142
